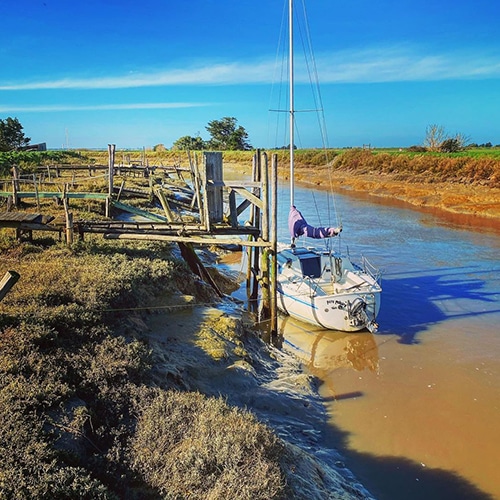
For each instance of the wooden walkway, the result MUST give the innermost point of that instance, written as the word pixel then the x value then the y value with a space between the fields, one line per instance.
pixel 214 209
pixel 203 200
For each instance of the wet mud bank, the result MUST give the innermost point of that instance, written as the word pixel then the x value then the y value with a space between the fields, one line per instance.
pixel 463 204
pixel 217 351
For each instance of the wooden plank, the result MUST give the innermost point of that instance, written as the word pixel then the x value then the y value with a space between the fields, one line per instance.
pixel 9 279
pixel 164 203
pixel 138 211
pixel 213 174
pixel 187 239
pixel 233 214
pixel 242 207
pixel 250 197
pixel 235 184
pixel 18 216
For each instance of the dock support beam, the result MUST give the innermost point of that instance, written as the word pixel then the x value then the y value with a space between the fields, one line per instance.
pixel 111 169
pixel 274 247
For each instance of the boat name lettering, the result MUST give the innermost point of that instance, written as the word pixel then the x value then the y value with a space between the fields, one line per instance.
pixel 338 304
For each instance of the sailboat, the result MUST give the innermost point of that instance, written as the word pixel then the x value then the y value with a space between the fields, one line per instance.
pixel 321 286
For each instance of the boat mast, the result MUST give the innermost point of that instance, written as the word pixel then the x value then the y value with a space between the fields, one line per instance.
pixel 292 103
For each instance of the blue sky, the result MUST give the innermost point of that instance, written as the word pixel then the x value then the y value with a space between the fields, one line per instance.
pixel 139 73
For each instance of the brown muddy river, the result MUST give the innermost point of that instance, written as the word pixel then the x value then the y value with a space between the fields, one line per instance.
pixel 414 408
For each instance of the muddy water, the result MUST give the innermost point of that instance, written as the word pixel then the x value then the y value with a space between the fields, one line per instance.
pixel 415 408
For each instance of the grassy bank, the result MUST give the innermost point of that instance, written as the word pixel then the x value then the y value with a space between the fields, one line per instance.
pixel 79 416
pixel 476 165
pixel 106 392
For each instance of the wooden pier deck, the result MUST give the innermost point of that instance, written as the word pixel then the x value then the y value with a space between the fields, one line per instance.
pixel 206 210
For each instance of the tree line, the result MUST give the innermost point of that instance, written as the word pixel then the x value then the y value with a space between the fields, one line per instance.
pixel 225 135
pixel 12 137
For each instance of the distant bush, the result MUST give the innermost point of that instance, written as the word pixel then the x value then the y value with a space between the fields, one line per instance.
pixel 28 160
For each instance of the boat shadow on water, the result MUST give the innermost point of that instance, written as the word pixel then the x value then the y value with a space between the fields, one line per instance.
pixel 414 301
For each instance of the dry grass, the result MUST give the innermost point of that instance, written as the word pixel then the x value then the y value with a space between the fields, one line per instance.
pixel 189 446
pixel 78 418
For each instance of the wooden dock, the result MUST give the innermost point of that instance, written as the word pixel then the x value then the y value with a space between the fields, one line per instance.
pixel 203 210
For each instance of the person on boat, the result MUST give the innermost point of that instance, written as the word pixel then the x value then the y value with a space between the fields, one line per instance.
pixel 298 226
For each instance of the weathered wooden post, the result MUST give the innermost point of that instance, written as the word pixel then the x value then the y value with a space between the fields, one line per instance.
pixel 212 183
pixel 36 192
pixel 69 217
pixel 15 185
pixel 195 173
pixel 274 247
pixel 8 281
pixel 111 168
pixel 265 263
pixel 250 249
pixel 258 225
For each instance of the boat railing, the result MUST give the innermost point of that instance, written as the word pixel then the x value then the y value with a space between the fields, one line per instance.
pixel 370 269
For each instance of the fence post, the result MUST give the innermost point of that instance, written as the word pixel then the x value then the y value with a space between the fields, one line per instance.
pixel 8 281
pixel 111 168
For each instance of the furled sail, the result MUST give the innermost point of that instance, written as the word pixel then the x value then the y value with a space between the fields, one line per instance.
pixel 298 227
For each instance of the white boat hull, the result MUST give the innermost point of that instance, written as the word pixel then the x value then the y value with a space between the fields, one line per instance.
pixel 340 297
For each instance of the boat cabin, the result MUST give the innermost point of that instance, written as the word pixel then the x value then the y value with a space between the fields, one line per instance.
pixel 302 260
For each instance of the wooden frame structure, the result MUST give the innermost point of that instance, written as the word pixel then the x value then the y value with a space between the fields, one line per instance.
pixel 218 204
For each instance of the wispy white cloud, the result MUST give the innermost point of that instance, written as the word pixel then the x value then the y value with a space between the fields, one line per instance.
pixel 405 63
pixel 100 107
pixel 382 64
pixel 231 73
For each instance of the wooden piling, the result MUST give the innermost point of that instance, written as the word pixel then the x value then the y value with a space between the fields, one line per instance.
pixel 69 218
pixel 258 224
pixel 111 168
pixel 250 250
pixel 265 312
pixel 36 192
pixel 274 247
pixel 9 279
pixel 15 185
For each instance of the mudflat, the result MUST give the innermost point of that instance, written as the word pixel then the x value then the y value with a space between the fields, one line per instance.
pixel 467 199
pixel 476 201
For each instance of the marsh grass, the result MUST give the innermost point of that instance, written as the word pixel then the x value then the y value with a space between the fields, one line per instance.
pixel 78 416
pixel 189 446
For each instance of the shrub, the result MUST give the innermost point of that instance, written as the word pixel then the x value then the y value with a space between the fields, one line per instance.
pixel 190 446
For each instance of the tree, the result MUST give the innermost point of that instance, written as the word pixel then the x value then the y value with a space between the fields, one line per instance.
pixel 437 139
pixel 450 145
pixel 188 143
pixel 434 137
pixel 226 136
pixel 462 140
pixel 12 137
